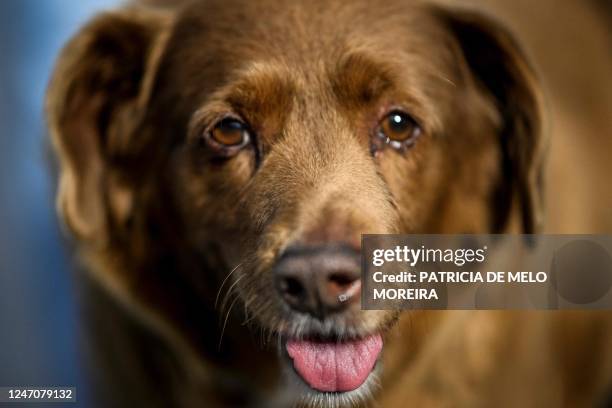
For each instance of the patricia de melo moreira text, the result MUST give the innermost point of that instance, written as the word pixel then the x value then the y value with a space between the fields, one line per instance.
pixel 459 257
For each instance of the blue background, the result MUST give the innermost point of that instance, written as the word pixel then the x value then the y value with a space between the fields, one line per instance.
pixel 38 318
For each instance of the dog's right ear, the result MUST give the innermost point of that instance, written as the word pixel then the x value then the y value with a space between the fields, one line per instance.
pixel 98 92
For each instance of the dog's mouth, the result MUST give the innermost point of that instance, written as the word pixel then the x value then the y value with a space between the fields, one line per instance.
pixel 328 365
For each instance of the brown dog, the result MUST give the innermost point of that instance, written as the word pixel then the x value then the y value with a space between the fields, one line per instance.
pixel 220 161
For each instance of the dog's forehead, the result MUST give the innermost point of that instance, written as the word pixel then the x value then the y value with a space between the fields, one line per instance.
pixel 305 36
pixel 259 54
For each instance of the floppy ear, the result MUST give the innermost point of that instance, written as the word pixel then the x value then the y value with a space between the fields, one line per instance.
pixel 97 94
pixel 503 71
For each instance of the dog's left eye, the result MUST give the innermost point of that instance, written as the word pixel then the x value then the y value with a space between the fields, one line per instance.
pixel 399 129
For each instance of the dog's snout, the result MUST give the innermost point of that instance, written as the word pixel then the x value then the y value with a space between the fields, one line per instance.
pixel 318 280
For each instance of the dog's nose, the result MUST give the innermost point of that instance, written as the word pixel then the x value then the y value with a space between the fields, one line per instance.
pixel 319 280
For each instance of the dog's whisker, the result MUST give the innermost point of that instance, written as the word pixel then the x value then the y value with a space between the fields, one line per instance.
pixel 229 293
pixel 279 342
pixel 225 280
pixel 248 318
pixel 225 321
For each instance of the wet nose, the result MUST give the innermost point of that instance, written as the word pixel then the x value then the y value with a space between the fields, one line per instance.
pixel 319 280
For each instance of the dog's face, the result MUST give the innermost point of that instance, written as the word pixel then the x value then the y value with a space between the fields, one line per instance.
pixel 247 146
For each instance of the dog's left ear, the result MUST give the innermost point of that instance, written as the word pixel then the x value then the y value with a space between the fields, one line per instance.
pixel 499 65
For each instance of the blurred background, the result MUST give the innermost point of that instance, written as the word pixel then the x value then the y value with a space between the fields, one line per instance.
pixel 38 329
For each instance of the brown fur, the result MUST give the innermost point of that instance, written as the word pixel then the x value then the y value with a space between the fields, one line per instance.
pixel 160 222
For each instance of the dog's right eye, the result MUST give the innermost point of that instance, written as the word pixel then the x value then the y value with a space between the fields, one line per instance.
pixel 227 137
pixel 230 132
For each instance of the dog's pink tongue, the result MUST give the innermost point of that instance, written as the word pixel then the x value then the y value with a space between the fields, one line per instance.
pixel 335 366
